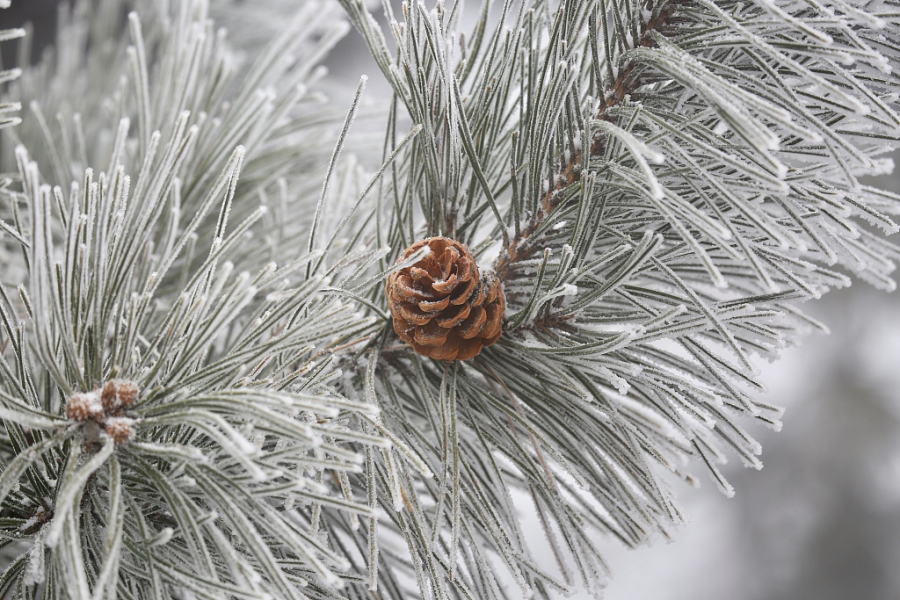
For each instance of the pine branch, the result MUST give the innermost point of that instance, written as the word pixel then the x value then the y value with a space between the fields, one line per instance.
pixel 641 282
pixel 624 83
pixel 162 388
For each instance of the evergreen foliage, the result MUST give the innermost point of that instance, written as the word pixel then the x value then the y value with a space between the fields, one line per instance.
pixel 8 75
pixel 658 184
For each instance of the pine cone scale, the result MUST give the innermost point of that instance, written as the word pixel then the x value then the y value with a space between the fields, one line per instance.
pixel 445 286
pixel 450 319
pixel 463 292
pixel 404 328
pixel 443 306
pixel 431 334
pixel 432 306
pixel 406 288
pixel 492 327
pixel 413 314
pixel 473 324
pixel 419 274
pixel 447 351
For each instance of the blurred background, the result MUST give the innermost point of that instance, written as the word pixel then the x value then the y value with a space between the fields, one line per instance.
pixel 822 519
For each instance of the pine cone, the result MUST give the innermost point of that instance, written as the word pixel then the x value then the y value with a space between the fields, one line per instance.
pixel 117 395
pixel 443 305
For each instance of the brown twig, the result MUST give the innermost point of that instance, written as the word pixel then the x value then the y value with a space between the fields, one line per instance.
pixel 624 84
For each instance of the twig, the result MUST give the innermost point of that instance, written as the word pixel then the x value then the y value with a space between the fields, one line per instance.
pixel 623 85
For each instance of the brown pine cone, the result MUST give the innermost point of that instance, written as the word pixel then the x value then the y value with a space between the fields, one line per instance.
pixel 443 305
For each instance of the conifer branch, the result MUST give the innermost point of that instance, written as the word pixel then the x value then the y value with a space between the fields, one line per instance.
pixel 624 81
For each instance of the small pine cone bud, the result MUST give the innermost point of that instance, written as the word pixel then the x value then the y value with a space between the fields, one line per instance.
pixel 84 407
pixel 117 395
pixel 109 398
pixel 78 407
pixel 443 305
pixel 119 429
pixel 127 393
